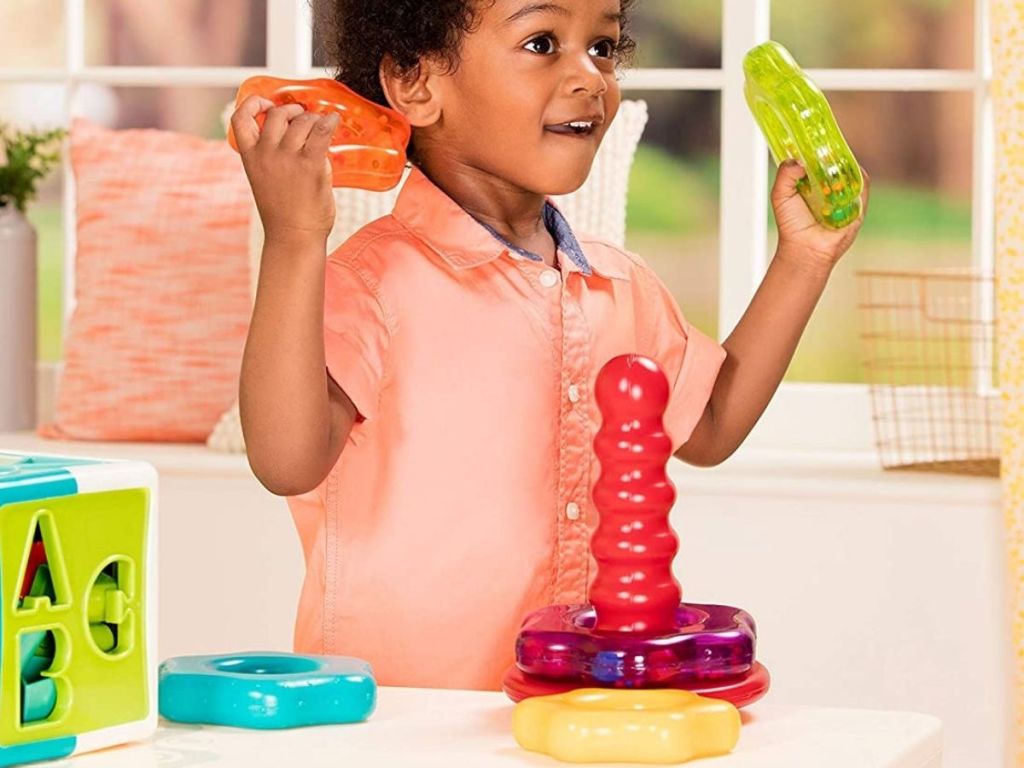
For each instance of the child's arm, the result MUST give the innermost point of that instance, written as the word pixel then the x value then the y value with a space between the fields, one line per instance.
pixel 294 417
pixel 761 347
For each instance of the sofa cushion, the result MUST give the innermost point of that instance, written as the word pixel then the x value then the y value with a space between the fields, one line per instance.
pixel 153 346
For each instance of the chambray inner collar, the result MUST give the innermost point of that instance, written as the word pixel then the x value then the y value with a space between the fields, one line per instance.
pixel 560 230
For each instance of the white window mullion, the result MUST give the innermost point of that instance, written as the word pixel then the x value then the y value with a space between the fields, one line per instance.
pixel 743 220
pixel 74 63
pixel 894 79
pixel 159 76
pixel 983 193
pixel 984 146
pixel 304 44
pixel 289 40
pixel 633 79
pixel 672 79
pixel 33 74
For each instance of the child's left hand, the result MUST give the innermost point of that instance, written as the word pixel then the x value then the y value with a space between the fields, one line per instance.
pixel 799 232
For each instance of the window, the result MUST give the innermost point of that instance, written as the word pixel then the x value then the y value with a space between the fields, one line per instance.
pixel 908 81
pixel 673 207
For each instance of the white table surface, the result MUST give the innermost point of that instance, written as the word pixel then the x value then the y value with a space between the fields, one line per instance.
pixel 473 729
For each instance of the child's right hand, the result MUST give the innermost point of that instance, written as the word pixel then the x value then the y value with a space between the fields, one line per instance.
pixel 287 167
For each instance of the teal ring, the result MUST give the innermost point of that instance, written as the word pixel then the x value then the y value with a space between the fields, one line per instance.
pixel 267 690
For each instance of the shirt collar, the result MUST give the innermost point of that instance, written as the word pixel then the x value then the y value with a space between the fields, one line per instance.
pixel 463 242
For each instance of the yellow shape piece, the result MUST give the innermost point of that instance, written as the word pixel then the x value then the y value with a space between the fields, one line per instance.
pixel 598 725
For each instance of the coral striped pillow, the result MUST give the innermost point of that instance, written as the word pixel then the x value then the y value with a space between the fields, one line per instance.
pixel 153 347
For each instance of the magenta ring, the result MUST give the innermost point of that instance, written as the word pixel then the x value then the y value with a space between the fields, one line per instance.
pixel 710 642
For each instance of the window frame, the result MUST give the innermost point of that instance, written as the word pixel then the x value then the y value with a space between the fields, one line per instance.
pixel 822 416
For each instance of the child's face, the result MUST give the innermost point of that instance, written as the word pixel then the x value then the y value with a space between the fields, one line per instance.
pixel 527 69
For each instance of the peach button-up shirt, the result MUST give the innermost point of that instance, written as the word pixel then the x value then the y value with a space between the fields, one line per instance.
pixel 462 500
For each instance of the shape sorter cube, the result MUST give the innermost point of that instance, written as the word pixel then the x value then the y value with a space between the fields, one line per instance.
pixel 77 605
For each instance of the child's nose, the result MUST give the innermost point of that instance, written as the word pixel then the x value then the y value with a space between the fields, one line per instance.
pixel 583 75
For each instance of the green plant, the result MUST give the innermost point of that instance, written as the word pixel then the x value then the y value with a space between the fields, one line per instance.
pixel 25 158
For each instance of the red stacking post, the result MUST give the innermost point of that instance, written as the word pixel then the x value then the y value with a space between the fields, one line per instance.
pixel 634 590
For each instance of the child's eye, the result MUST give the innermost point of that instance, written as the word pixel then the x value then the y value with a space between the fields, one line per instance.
pixel 546 41
pixel 606 49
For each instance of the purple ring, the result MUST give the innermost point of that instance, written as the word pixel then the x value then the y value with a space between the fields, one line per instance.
pixel 710 642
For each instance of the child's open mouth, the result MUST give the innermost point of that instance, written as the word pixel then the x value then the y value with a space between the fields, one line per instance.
pixel 574 128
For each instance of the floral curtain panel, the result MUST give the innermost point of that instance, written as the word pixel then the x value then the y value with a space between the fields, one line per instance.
pixel 1008 94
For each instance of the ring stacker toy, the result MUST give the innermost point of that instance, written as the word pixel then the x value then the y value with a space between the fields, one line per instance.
pixel 798 123
pixel 267 690
pixel 367 148
pixel 635 633
pixel 592 725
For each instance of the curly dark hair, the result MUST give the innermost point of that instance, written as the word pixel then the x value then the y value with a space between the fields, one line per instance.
pixel 355 35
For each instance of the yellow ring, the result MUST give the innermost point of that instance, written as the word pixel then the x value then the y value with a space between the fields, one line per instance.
pixel 598 725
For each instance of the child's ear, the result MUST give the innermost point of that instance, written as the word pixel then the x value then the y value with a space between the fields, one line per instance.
pixel 414 93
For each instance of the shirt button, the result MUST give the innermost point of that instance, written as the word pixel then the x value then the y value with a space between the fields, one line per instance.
pixel 572 511
pixel 574 393
pixel 548 278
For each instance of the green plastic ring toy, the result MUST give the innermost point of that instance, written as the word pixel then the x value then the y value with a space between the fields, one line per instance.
pixel 798 123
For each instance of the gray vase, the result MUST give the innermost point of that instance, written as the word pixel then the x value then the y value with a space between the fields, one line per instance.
pixel 17 321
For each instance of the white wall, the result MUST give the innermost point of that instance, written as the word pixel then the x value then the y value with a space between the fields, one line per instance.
pixel 870 589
